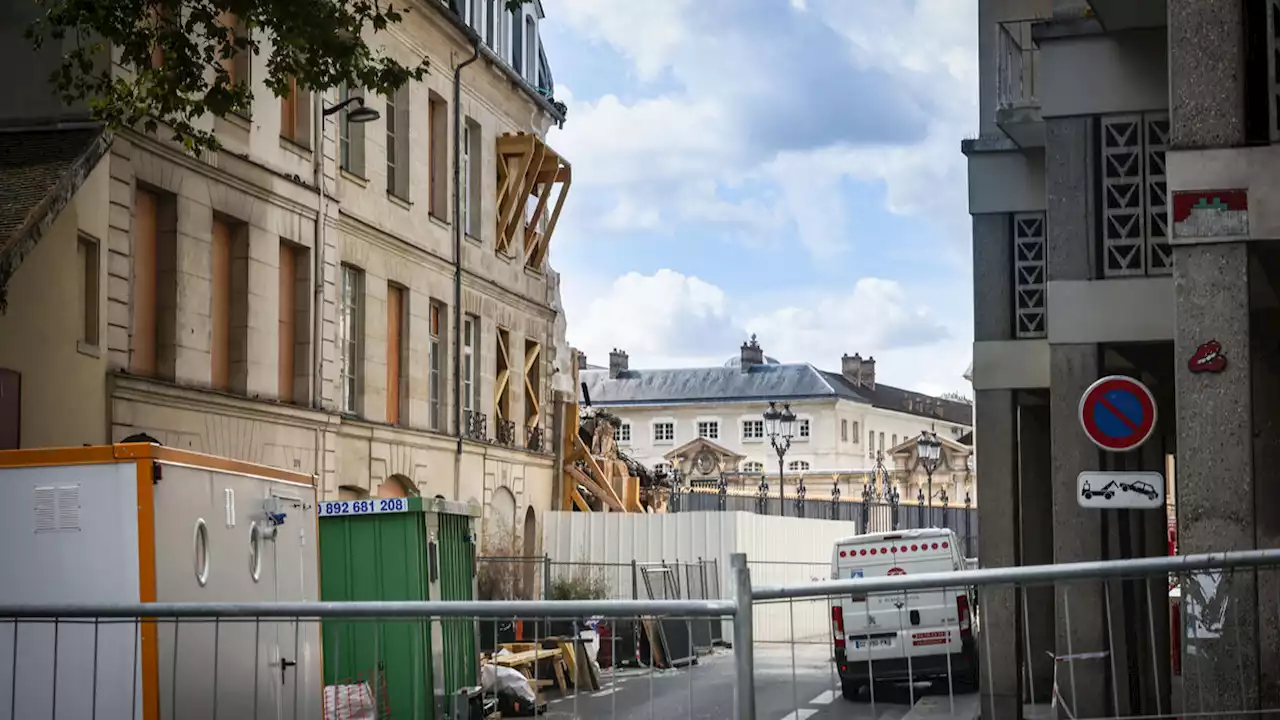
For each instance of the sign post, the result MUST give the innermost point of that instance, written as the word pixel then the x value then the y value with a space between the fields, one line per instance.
pixel 1118 414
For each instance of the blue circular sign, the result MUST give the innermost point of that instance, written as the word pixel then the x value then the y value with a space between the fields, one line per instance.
pixel 1118 413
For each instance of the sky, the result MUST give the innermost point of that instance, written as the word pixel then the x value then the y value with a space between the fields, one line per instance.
pixel 784 168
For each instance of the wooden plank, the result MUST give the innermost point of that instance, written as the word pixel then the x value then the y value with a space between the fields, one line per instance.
pixel 597 472
pixel 525 658
pixel 601 492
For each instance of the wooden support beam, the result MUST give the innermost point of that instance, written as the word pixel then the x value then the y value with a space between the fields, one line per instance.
pixel 604 492
pixel 597 472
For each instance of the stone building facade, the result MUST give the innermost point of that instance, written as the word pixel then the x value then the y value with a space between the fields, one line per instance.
pixel 151 291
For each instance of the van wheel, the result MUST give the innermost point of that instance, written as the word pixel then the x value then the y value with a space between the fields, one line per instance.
pixel 850 690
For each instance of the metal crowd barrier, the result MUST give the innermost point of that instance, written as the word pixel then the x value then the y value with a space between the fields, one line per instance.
pixel 1188 636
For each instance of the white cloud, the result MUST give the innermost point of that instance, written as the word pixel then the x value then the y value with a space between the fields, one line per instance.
pixel 668 319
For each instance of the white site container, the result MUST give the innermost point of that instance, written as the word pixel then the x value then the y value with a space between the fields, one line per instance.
pixel 137 522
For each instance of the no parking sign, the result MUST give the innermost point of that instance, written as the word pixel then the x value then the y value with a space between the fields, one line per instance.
pixel 1118 413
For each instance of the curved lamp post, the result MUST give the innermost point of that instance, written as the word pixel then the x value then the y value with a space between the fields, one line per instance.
pixel 780 425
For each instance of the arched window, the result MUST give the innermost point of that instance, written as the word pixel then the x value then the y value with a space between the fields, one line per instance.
pixel 798 465
pixel 753 466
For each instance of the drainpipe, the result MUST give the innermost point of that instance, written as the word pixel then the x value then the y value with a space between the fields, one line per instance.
pixel 317 276
pixel 317 272
pixel 458 222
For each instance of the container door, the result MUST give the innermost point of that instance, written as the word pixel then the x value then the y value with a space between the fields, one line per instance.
pixel 378 557
pixel 289 657
pixel 457 582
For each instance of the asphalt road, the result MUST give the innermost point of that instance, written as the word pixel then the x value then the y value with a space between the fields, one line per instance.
pixel 705 692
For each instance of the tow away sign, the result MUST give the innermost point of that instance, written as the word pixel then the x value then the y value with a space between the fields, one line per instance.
pixel 1120 490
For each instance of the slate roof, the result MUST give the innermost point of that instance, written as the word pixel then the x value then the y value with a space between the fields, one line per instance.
pixel 787 382
pixel 40 171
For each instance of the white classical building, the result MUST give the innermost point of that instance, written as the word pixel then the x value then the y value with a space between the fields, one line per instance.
pixel 708 421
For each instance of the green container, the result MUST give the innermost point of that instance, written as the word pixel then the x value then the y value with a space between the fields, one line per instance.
pixel 397 549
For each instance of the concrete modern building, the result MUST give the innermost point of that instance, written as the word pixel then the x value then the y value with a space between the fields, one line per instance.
pixel 398 335
pixel 708 421
pixel 1123 224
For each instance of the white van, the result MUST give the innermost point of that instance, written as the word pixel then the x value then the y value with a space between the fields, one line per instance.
pixel 896 636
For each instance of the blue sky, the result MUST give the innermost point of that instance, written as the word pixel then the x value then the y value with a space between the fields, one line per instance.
pixel 789 168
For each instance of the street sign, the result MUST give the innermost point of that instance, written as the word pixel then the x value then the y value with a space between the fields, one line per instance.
pixel 1120 490
pixel 1118 413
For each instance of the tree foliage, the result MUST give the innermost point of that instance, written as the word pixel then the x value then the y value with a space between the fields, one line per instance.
pixel 169 55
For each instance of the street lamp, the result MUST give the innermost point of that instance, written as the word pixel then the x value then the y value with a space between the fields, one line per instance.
pixel 780 425
pixel 929 455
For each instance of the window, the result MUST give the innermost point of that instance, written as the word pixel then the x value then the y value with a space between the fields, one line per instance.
pixel 624 433
pixel 856 432
pixel 490 20
pixel 844 431
pixel 662 468
pixel 154 300
pixel 159 18
pixel 350 137
pixel 532 385
pixel 871 442
pixel 803 431
pixel 435 363
pixel 517 43
pixel 502 378
pixel 438 151
pixel 753 429
pixel 470 358
pixel 530 50
pixel 881 442
pixel 471 176
pixel 87 262
pixel 395 351
pixel 753 466
pixel 398 143
pixel 295 115
pixel 709 429
pixel 294 332
pixel 664 432
pixel 894 443
pixel 798 465
pixel 350 327
pixel 229 305
pixel 237 65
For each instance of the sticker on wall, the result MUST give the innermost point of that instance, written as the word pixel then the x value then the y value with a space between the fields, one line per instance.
pixel 1208 358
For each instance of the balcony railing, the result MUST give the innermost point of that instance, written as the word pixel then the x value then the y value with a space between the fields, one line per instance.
pixel 477 426
pixel 536 439
pixel 1017 67
pixel 506 432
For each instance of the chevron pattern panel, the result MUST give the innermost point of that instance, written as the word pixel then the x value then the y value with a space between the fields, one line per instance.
pixel 1156 193
pixel 1029 274
pixel 1123 245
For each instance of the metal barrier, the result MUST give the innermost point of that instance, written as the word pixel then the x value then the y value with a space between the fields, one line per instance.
pixel 1084 640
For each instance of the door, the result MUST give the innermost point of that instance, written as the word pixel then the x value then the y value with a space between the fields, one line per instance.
pixel 457 583
pixel 289 657
pixel 10 409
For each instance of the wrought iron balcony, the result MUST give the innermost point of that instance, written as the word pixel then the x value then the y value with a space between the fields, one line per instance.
pixel 477 426
pixel 536 439
pixel 1017 83
pixel 506 432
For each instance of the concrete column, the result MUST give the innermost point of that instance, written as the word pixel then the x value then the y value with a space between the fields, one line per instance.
pixel 992 278
pixel 1206 62
pixel 1216 474
pixel 1035 493
pixel 1077 533
pixel 996 421
pixel 1266 456
pixel 1068 210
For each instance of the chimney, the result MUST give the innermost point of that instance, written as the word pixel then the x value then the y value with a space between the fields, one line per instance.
pixel 582 361
pixel 851 369
pixel 868 373
pixel 617 363
pixel 752 355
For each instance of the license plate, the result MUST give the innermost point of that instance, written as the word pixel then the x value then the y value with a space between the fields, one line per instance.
pixel 873 644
